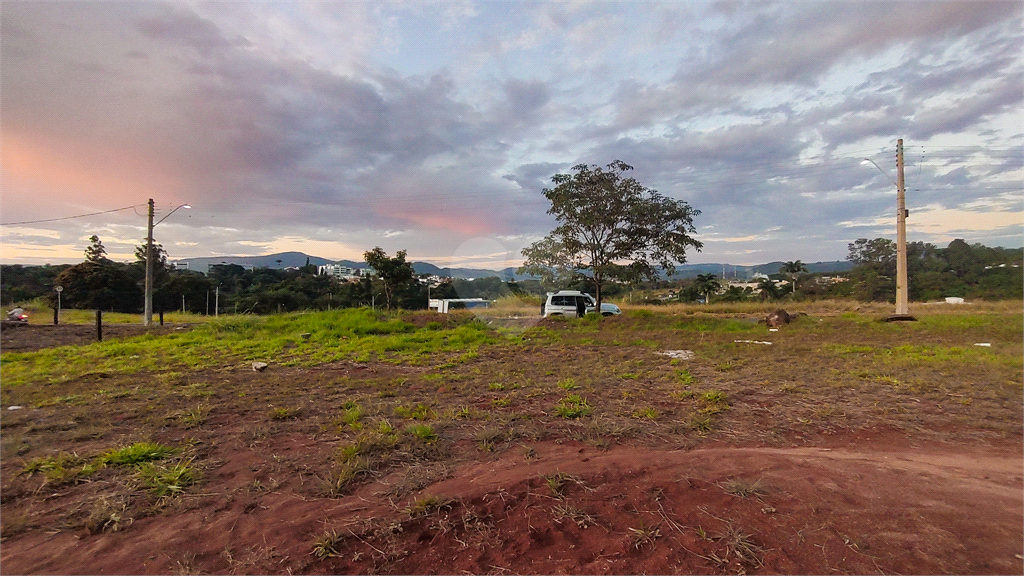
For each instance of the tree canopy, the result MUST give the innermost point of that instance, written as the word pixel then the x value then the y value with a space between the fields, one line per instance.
pixel 612 226
pixel 393 272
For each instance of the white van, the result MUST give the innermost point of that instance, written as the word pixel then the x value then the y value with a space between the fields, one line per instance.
pixel 563 303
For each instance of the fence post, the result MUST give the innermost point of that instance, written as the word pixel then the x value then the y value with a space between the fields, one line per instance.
pixel 99 325
pixel 55 319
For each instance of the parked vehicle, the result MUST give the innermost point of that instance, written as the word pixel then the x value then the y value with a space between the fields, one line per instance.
pixel 564 303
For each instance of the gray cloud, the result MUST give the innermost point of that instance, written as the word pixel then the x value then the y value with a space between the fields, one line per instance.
pixel 746 115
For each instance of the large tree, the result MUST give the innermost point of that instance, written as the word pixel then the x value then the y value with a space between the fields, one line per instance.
pixel 793 270
pixel 612 227
pixel 393 272
pixel 707 284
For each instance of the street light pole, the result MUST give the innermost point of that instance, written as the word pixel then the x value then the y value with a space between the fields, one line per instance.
pixel 148 313
pixel 902 283
pixel 147 316
pixel 902 308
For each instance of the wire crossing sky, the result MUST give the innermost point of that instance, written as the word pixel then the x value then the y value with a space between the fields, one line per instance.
pixel 334 127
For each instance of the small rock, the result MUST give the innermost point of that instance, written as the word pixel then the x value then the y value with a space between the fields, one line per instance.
pixel 305 335
pixel 14 407
pixel 259 366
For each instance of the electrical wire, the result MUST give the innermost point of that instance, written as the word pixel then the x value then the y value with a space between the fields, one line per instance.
pixel 133 207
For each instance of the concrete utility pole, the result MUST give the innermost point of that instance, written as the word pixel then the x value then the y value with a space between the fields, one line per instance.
pixel 148 314
pixel 902 308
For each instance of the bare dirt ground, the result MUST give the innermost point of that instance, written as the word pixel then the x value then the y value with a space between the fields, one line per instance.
pixel 918 485
pixel 881 504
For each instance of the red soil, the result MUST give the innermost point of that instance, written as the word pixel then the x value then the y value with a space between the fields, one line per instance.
pixel 865 505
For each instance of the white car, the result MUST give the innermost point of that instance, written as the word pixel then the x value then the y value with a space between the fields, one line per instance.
pixel 563 303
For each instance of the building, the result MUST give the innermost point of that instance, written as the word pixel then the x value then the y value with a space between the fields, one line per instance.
pixel 341 272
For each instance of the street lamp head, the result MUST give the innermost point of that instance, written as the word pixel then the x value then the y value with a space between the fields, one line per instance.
pixel 869 161
pixel 186 206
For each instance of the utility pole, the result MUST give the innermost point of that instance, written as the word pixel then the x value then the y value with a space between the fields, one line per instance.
pixel 902 309
pixel 147 318
pixel 216 304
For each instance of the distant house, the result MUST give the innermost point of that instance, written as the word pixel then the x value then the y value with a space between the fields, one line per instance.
pixel 340 272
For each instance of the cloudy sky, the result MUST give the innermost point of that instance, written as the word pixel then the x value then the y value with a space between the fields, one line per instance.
pixel 334 127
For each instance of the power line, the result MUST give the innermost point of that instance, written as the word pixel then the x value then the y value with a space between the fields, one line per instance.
pixel 71 217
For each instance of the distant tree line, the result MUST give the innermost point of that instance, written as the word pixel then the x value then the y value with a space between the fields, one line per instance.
pixel 964 270
pixel 969 271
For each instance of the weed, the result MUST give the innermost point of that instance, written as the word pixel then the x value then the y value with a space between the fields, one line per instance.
pixel 419 411
pixel 107 515
pixel 682 395
pixel 573 406
pixel 488 437
pixel 283 413
pixel 645 535
pixel 743 488
pixel 496 387
pixel 63 467
pixel 740 544
pixel 350 417
pixel 557 483
pixel 648 413
pixel 567 384
pixel 168 481
pixel 138 453
pixel 685 377
pixel 581 518
pixel 714 397
pixel 502 402
pixel 350 470
pixel 891 380
pixel 700 424
pixel 725 366
pixel 629 376
pixel 466 413
pixel 424 432
pixel 325 545
pixel 385 426
pixel 196 416
pixel 428 504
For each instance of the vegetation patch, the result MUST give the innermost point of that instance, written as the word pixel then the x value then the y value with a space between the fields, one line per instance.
pixel 573 406
pixel 135 454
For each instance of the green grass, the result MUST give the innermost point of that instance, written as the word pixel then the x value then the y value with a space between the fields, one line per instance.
pixel 567 384
pixel 423 432
pixel 61 468
pixel 418 411
pixel 428 504
pixel 645 413
pixel 168 480
pixel 335 335
pixel 136 454
pixel 573 406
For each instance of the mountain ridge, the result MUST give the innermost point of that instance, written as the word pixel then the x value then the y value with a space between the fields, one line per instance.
pixel 293 259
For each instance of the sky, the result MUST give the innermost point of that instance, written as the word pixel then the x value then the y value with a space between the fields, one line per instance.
pixel 433 127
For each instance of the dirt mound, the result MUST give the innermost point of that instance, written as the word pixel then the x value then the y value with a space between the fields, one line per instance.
pixel 883 506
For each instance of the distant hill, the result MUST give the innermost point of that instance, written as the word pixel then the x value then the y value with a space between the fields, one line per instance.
pixel 296 259
pixel 276 261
